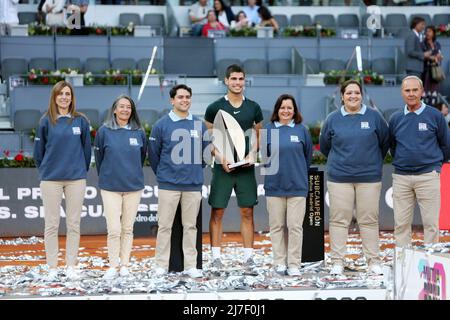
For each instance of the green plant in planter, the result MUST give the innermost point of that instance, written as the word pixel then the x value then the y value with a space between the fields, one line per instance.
pixel 243 32
pixel 18 161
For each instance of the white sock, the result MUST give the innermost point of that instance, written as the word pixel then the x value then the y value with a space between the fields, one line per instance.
pixel 248 252
pixel 215 252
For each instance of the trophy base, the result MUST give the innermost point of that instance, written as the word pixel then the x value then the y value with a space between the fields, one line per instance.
pixel 238 164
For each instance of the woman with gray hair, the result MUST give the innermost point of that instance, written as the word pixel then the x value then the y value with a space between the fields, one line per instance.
pixel 120 148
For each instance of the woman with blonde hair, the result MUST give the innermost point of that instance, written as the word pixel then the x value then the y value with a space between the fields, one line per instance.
pixel 62 153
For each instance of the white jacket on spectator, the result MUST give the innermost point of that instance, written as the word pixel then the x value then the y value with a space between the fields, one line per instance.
pixel 197 11
pixel 8 11
pixel 56 6
pixel 55 12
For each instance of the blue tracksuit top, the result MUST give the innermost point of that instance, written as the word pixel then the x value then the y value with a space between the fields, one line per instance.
pixel 119 157
pixel 418 140
pixel 175 152
pixel 62 151
pixel 355 145
pixel 294 153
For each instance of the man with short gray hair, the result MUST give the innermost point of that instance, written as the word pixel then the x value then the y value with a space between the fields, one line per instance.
pixel 418 140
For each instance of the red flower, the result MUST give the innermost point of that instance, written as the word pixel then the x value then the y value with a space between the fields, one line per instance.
pixel 317 147
pixel 93 133
pixel 6 153
pixel 367 79
pixel 45 80
pixel 442 28
pixel 19 157
pixel 98 31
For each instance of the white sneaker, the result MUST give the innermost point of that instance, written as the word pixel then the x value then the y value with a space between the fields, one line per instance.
pixel 337 269
pixel 375 269
pixel 72 274
pixel 52 275
pixel 280 269
pixel 194 273
pixel 124 272
pixel 110 274
pixel 294 272
pixel 160 271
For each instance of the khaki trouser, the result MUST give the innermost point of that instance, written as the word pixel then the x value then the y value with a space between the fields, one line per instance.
pixel 425 188
pixel 286 212
pixel 120 212
pixel 342 203
pixel 167 207
pixel 52 192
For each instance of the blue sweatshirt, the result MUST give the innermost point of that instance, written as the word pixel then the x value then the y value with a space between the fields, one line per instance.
pixel 294 153
pixel 119 158
pixel 355 145
pixel 62 151
pixel 418 140
pixel 182 170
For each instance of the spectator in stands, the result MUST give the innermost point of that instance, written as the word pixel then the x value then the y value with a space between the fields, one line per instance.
pixel 251 11
pixel 179 180
pixel 415 55
pixel 40 13
pixel 198 14
pixel 241 21
pixel 321 2
pixel 224 13
pixel 54 12
pixel 78 6
pixel 8 15
pixel 431 86
pixel 418 141
pixel 120 150
pixel 212 24
pixel 287 188
pixel 62 153
pixel 355 139
pixel 267 19
pixel 443 108
pixel 110 2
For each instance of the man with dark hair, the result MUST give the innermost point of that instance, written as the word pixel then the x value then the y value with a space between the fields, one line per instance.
pixel 242 179
pixel 413 48
pixel 176 156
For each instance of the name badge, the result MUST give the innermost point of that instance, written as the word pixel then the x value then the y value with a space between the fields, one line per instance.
pixel 194 133
pixel 423 126
pixel 133 142
pixel 294 139
pixel 365 125
pixel 76 130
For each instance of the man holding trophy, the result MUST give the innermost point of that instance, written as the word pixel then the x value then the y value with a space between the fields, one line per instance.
pixel 229 118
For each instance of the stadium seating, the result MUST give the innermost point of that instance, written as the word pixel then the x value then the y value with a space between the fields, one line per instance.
pixel 255 66
pixel 93 115
pixel 126 18
pixel 41 63
pixel 280 66
pixel 97 65
pixel 123 64
pixel 12 66
pixel 301 20
pixel 66 63
pixel 156 21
